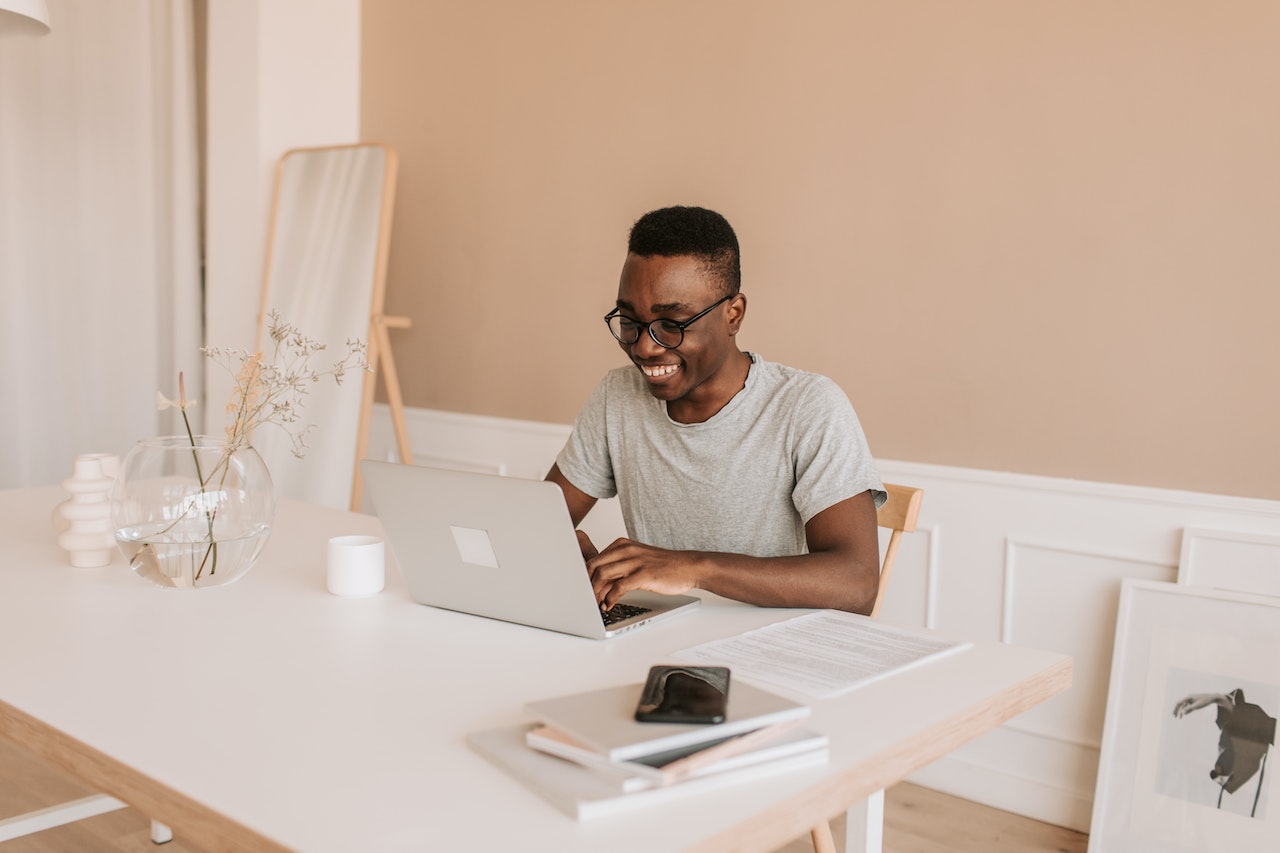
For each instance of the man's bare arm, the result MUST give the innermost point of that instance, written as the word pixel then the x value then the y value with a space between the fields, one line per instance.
pixel 579 503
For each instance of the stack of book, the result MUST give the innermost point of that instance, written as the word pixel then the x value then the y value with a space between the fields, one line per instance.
pixel 586 753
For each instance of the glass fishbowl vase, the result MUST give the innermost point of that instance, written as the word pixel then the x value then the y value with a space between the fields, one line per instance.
pixel 189 513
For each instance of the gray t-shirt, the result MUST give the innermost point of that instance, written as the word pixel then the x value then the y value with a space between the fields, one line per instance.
pixel 785 448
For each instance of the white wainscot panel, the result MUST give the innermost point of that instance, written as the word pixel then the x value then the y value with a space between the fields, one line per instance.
pixel 1228 559
pixel 1064 597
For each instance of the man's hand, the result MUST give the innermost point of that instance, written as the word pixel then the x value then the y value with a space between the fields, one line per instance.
pixel 627 565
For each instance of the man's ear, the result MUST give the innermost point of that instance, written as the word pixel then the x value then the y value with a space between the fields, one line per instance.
pixel 737 310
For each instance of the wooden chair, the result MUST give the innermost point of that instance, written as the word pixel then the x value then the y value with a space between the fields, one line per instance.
pixel 898 515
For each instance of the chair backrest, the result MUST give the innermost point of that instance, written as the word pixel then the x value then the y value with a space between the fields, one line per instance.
pixel 898 514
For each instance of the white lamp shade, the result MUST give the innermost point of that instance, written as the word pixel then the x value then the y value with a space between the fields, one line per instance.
pixel 24 17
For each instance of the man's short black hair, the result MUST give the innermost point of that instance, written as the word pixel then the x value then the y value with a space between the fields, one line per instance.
pixel 695 231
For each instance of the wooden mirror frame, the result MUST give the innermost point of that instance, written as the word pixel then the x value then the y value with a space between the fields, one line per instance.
pixel 376 335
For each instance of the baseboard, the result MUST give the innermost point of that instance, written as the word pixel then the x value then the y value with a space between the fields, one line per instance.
pixel 1000 789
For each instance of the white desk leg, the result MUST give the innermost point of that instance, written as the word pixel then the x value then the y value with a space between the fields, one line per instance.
pixel 864 832
pixel 38 821
pixel 160 833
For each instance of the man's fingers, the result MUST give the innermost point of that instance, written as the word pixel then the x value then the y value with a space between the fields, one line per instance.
pixel 608 569
pixel 613 594
pixel 585 543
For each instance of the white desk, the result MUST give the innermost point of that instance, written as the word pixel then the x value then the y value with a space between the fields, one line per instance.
pixel 270 715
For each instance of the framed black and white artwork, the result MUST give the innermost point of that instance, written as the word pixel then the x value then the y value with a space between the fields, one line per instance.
pixel 1187 761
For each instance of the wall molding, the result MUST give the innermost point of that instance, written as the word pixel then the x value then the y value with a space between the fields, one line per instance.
pixel 1087 488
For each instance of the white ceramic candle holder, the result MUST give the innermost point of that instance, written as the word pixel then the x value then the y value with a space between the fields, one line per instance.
pixel 83 522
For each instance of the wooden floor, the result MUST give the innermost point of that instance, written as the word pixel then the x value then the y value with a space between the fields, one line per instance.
pixel 917 820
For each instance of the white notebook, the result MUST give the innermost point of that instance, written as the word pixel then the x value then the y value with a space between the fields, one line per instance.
pixel 583 795
pixel 680 765
pixel 603 720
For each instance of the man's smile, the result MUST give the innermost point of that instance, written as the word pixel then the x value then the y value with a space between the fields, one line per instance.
pixel 658 371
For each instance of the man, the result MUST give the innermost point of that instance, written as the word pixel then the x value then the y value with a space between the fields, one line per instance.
pixel 736 476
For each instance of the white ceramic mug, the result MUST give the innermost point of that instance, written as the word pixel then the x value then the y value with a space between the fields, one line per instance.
pixel 357 565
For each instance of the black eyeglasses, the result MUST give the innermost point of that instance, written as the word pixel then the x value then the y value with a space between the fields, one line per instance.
pixel 665 333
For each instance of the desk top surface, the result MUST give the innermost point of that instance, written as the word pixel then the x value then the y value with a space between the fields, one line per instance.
pixel 332 724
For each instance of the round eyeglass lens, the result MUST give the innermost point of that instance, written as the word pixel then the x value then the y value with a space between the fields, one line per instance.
pixel 625 330
pixel 667 333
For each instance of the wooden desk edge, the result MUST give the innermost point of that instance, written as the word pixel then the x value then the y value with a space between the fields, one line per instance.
pixel 792 818
pixel 190 820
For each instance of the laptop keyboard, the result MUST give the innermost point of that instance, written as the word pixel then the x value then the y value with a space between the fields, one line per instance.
pixel 619 612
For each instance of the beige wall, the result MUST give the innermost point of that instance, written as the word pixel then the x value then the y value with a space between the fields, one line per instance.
pixel 1028 236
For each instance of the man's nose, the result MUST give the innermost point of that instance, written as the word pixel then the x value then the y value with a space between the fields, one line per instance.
pixel 646 347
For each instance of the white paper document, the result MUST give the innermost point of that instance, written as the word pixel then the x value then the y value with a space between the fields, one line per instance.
pixel 822 654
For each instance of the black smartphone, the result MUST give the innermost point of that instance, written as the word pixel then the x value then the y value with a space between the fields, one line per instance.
pixel 684 694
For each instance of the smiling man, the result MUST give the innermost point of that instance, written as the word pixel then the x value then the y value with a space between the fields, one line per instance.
pixel 735 475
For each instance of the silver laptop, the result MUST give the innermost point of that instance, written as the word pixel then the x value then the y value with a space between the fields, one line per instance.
pixel 501 547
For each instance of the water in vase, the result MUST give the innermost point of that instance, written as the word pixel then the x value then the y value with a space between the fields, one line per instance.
pixel 182 560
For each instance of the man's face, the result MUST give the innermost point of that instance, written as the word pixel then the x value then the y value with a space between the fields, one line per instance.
pixel 677 288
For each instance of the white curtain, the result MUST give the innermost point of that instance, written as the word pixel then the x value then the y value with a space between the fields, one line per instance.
pixel 100 294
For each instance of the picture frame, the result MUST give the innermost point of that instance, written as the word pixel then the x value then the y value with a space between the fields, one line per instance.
pixel 1230 559
pixel 1163 783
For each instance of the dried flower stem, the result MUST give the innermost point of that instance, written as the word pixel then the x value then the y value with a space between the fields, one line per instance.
pixel 266 391
pixel 273 390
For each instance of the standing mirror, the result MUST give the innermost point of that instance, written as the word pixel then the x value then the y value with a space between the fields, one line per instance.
pixel 326 266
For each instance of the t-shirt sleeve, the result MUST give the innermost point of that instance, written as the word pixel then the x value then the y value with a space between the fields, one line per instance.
pixel 832 460
pixel 585 460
